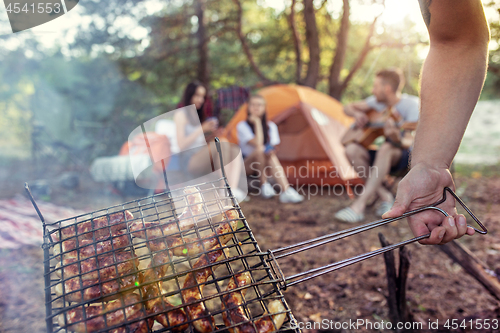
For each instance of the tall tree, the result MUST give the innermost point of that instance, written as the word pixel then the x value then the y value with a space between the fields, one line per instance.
pixel 312 38
pixel 226 42
pixel 243 39
pixel 296 42
pixel 203 72
pixel 335 85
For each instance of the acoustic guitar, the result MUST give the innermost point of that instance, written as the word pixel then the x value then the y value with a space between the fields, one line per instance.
pixel 374 128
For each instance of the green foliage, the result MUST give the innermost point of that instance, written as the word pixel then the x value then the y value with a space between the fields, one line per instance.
pixel 128 65
pixel 81 107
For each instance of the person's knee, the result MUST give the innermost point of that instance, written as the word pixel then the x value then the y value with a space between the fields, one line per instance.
pixel 385 149
pixel 270 156
pixel 353 151
pixel 260 150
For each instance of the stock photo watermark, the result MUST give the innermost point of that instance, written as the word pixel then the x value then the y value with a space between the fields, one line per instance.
pixel 308 171
pixel 26 14
pixel 366 324
pixel 358 324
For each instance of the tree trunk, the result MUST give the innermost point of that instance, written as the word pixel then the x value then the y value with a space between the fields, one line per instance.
pixel 246 48
pixel 337 93
pixel 296 43
pixel 335 86
pixel 313 43
pixel 203 74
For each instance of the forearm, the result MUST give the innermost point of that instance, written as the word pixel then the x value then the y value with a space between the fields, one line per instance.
pixel 452 79
pixel 259 135
pixel 349 110
pixel 186 141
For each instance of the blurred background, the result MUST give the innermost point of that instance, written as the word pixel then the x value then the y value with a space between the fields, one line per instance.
pixel 72 89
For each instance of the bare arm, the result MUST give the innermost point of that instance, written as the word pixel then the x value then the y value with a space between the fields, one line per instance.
pixel 358 111
pixel 452 78
pixel 184 141
pixel 258 139
pixel 353 108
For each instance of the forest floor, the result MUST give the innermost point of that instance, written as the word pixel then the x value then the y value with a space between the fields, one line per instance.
pixel 437 289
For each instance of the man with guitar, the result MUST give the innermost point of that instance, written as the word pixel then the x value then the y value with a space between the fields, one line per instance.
pixel 451 81
pixel 391 114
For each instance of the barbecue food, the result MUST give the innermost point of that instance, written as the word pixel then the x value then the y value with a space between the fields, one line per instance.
pixel 156 229
pixel 194 200
pixel 195 282
pixel 192 246
pixel 99 228
pixel 108 266
pixel 97 263
pixel 91 289
pixel 87 248
pixel 177 245
pixel 98 317
pixel 234 313
pixel 156 304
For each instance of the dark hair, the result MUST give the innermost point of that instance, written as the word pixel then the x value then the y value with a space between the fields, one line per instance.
pixel 265 127
pixel 393 77
pixel 188 95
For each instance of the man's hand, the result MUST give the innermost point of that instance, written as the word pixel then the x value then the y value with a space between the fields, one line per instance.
pixel 361 119
pixel 391 131
pixel 422 186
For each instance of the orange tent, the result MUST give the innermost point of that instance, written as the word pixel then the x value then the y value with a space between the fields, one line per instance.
pixel 311 125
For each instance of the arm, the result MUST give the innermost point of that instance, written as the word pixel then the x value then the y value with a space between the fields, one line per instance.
pixel 452 78
pixel 358 111
pixel 455 68
pixel 184 141
pixel 258 140
pixel 353 108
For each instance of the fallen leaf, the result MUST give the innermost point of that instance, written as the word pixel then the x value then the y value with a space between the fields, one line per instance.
pixel 374 297
pixel 315 317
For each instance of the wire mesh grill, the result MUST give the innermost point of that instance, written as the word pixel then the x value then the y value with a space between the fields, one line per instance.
pixel 183 260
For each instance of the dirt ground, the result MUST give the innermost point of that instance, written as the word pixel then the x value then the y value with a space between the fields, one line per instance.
pixel 438 289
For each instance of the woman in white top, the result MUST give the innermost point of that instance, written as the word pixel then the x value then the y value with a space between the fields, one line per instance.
pixel 257 138
pixel 192 139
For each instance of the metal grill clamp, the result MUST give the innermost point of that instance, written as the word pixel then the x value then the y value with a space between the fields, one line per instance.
pixel 266 276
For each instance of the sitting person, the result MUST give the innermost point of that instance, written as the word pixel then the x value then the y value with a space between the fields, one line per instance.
pixel 192 139
pixel 393 154
pixel 257 138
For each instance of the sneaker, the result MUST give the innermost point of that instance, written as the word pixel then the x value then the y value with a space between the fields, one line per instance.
pixel 267 191
pixel 349 215
pixel 384 208
pixel 291 196
pixel 240 196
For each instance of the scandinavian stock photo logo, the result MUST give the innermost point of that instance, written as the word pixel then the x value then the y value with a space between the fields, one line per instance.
pixel 26 14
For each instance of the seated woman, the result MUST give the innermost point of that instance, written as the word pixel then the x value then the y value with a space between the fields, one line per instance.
pixel 190 135
pixel 257 138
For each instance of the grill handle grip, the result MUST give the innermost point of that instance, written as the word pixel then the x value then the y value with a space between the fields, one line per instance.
pixel 274 255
